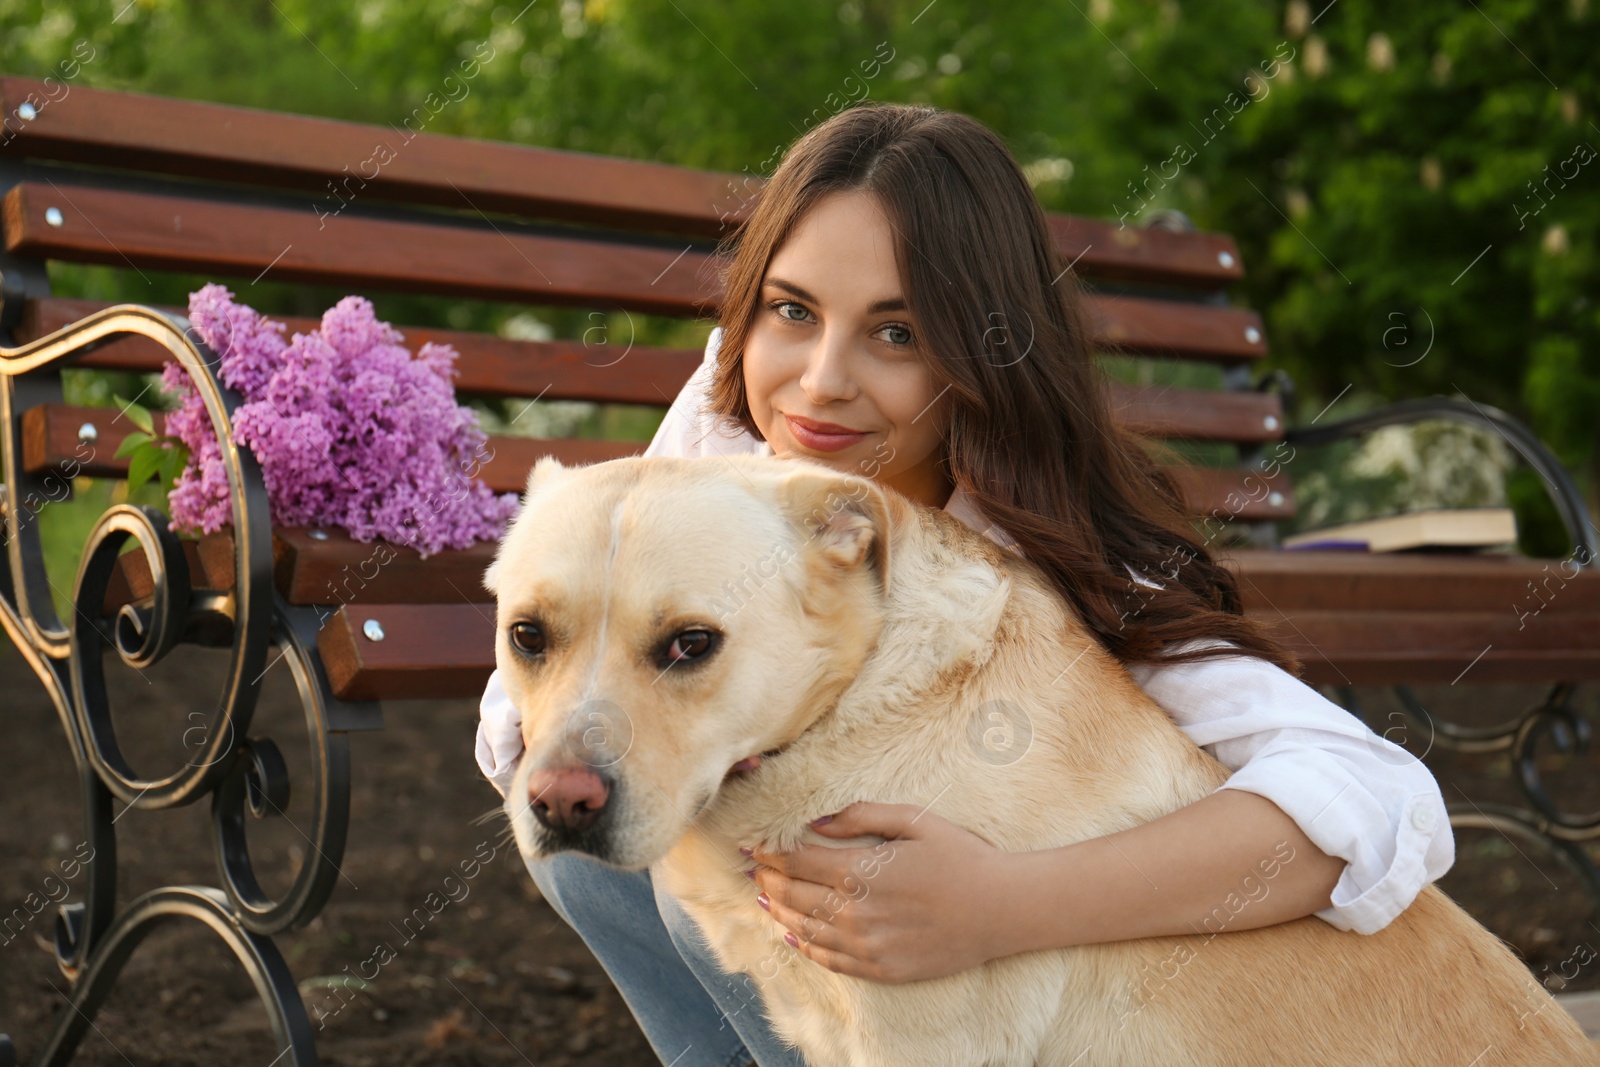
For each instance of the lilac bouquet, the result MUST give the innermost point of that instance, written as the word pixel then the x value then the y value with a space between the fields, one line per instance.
pixel 349 429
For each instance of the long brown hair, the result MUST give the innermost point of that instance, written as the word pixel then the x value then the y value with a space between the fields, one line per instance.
pixel 1001 323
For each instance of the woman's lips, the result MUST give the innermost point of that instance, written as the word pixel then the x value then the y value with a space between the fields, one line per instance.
pixel 819 440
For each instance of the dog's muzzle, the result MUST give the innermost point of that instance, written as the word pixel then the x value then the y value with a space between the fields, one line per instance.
pixel 569 801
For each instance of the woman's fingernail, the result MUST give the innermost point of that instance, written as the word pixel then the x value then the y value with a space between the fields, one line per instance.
pixel 762 899
pixel 750 874
pixel 746 851
pixel 788 935
pixel 822 821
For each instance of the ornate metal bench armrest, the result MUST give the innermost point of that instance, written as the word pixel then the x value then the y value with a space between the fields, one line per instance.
pixel 245 775
pixel 1563 492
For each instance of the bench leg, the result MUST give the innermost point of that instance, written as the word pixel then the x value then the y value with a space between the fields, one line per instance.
pixel 1540 821
pixel 239 773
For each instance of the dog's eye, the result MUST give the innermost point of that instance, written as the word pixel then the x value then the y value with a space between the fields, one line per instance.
pixel 528 637
pixel 690 645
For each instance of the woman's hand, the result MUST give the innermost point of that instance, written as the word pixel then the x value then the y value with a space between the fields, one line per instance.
pixel 923 904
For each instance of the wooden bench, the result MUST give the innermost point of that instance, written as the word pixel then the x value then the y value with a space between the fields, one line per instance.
pixel 147 184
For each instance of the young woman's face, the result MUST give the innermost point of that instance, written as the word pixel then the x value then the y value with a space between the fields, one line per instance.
pixel 834 368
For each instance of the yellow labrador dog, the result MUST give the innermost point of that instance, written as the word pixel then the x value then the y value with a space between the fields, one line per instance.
pixel 712 652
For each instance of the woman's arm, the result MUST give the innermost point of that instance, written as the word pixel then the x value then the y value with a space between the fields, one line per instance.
pixel 1232 861
pixel 1321 817
pixel 934 898
pixel 1355 795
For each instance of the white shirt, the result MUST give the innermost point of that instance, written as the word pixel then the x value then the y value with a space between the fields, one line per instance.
pixel 1356 795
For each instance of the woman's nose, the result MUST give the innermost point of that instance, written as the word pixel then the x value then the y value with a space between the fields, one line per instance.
pixel 827 376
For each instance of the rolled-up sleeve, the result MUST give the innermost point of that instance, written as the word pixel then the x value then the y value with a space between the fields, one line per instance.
pixel 1356 795
pixel 499 744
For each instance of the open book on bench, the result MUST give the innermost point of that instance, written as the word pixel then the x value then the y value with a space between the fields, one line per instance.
pixel 1438 529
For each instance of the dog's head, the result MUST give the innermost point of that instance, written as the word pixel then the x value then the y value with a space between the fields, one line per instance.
pixel 663 622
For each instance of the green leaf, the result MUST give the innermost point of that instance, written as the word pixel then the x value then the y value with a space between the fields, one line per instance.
pixel 145 463
pixel 132 443
pixel 172 463
pixel 137 415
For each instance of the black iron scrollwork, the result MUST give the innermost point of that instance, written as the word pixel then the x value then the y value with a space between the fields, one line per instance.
pixel 1542 823
pixel 246 777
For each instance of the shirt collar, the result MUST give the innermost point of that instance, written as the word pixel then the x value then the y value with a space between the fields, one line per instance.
pixel 962 507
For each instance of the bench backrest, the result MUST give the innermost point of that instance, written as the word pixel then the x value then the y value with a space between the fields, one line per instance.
pixel 145 183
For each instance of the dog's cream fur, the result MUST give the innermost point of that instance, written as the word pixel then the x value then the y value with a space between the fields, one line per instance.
pixel 863 636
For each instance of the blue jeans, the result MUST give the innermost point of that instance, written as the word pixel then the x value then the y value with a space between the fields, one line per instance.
pixel 693 1013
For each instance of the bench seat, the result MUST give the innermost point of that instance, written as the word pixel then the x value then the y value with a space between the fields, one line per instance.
pixel 1354 618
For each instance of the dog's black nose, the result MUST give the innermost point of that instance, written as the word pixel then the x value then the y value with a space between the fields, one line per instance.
pixel 567 799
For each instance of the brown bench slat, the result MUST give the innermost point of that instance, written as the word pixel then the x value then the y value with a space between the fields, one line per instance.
pixel 1141 326
pixel 1421 648
pixel 192 139
pixel 1205 489
pixel 500 366
pixel 339 570
pixel 217 142
pixel 182 233
pixel 1158 411
pixel 1197 414
pixel 430 651
pixel 1413 581
pixel 343 571
pixel 327 573
pixel 50 440
pixel 177 233
pixel 1100 249
pixel 488 365
pixel 1354 618
pixel 210 562
pixel 447 650
pixel 1235 492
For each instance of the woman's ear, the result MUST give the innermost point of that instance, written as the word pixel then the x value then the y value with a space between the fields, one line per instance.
pixel 845 518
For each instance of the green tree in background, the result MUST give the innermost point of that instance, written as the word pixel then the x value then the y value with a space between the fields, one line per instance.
pixel 1420 181
pixel 1387 170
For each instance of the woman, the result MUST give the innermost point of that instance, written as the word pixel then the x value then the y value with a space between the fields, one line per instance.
pixel 895 308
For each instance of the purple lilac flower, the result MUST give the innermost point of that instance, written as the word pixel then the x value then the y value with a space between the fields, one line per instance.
pixel 349 428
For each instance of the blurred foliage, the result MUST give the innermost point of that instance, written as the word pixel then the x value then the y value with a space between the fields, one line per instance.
pixel 1387 170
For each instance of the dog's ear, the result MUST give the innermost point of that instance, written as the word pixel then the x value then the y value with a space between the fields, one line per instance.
pixel 542 474
pixel 542 471
pixel 845 516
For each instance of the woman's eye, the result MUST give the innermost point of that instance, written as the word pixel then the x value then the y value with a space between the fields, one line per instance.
pixel 897 335
pixel 691 645
pixel 785 307
pixel 528 638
